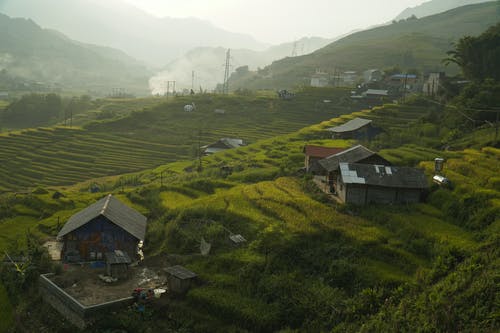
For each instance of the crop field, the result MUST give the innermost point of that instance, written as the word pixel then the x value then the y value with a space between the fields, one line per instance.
pixel 154 136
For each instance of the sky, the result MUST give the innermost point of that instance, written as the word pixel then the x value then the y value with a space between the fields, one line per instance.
pixel 276 21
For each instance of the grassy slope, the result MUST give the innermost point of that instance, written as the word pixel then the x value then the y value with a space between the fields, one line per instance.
pixel 148 138
pixel 420 44
pixel 306 258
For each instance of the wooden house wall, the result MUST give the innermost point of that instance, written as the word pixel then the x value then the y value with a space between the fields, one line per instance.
pixel 100 236
pixel 360 194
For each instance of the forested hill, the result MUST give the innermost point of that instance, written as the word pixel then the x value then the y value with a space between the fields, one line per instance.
pixel 33 53
pixel 415 43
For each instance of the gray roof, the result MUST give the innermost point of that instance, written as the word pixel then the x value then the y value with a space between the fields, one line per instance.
pixel 180 272
pixel 351 155
pixel 350 126
pixel 376 92
pixel 380 175
pixel 114 210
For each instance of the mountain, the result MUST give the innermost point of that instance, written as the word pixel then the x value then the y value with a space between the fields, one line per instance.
pixel 435 7
pixel 30 52
pixel 207 62
pixel 120 25
pixel 416 43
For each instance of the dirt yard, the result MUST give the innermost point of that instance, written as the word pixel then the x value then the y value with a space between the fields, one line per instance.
pixel 83 282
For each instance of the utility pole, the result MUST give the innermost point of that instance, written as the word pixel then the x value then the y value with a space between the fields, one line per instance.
pixel 225 87
pixel 199 151
pixel 192 80
pixel 294 49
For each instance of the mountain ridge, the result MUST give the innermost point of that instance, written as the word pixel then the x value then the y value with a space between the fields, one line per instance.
pixel 123 26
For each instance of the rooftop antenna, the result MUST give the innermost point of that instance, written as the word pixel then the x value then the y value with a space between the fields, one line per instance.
pixel 225 86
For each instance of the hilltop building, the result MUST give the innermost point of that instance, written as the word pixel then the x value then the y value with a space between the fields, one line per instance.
pixel 103 227
pixel 222 144
pixel 357 128
pixel 363 184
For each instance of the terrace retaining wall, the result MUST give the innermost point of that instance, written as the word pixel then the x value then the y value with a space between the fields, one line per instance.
pixel 75 312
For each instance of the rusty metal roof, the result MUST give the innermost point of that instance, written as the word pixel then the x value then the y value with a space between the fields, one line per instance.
pixel 321 152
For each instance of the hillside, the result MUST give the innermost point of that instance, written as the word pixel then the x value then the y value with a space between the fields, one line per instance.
pixel 433 7
pixel 419 44
pixel 56 62
pixel 309 264
pixel 117 24
pixel 206 63
pixel 154 136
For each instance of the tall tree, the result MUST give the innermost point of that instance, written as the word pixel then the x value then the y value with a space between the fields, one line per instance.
pixel 478 57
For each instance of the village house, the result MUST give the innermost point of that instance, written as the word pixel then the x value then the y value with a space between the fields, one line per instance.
pixel 432 84
pixel 402 82
pixel 327 169
pixel 315 153
pixel 103 227
pixel 320 80
pixel 222 144
pixel 363 184
pixel 372 75
pixel 357 128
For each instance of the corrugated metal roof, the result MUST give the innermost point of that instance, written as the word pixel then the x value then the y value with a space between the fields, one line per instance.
pixel 114 210
pixel 351 155
pixel 376 92
pixel 180 272
pixel 321 152
pixel 378 175
pixel 350 126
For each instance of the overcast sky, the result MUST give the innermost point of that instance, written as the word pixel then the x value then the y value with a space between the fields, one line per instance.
pixel 276 21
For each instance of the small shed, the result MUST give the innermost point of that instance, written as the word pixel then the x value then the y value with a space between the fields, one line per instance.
pixel 117 264
pixel 179 279
pixel 353 129
pixel 237 239
pixel 223 144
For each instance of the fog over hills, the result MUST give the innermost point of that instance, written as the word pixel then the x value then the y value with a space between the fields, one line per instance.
pixel 30 52
pixel 117 24
pixel 207 63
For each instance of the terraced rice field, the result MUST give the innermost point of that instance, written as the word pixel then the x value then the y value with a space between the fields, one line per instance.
pixel 63 156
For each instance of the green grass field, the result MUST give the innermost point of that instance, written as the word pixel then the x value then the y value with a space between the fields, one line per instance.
pixel 309 264
pixel 154 136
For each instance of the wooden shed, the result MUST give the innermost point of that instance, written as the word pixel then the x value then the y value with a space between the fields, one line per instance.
pixel 104 226
pixel 363 184
pixel 179 279
pixel 117 264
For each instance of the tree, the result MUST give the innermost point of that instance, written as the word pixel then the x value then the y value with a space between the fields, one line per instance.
pixel 478 57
